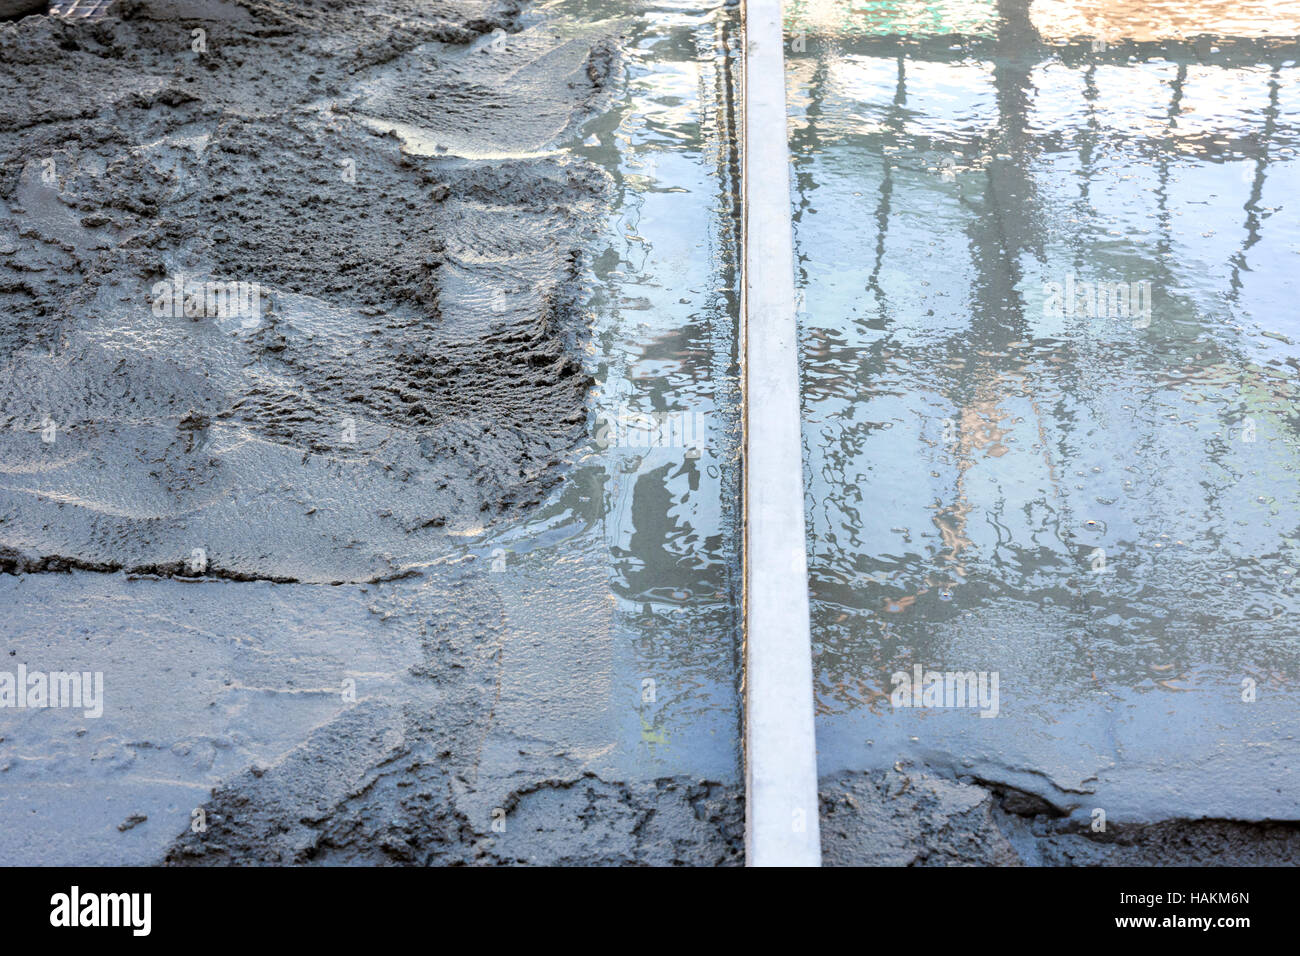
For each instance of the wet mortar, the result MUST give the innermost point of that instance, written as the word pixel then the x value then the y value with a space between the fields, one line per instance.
pixel 360 583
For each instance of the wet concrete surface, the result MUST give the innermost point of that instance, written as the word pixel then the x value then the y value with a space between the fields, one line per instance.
pixel 399 296
pixel 433 557
pixel 908 816
pixel 1095 504
pixel 377 571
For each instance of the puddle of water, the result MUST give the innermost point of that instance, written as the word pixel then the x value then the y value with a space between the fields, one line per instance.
pixel 620 592
pixel 1050 365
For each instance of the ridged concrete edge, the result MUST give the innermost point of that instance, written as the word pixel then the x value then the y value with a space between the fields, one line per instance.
pixel 781 820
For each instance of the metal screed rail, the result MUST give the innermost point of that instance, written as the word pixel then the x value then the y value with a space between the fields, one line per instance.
pixel 780 753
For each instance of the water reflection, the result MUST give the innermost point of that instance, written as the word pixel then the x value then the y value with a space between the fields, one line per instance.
pixel 1097 504
pixel 651 506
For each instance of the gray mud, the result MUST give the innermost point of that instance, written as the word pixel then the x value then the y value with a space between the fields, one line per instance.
pixel 178 486
pixel 412 371
pixel 909 817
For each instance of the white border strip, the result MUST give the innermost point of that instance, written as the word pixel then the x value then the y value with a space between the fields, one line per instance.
pixel 781 820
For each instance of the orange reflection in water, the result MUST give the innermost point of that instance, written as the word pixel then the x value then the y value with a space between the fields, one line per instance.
pixel 1146 20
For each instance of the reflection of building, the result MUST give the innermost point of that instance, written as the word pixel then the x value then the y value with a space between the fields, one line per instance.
pixel 1144 21
pixel 1054 20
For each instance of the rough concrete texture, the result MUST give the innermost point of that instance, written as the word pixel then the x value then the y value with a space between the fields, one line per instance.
pixel 388 176
pixel 416 342
pixel 911 817
pixel 403 811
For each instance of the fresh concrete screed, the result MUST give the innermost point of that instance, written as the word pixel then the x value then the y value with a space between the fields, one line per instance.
pixel 780 750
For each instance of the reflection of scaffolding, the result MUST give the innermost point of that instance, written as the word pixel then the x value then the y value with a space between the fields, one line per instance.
pixel 1009 221
pixel 957 48
pixel 1012 221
